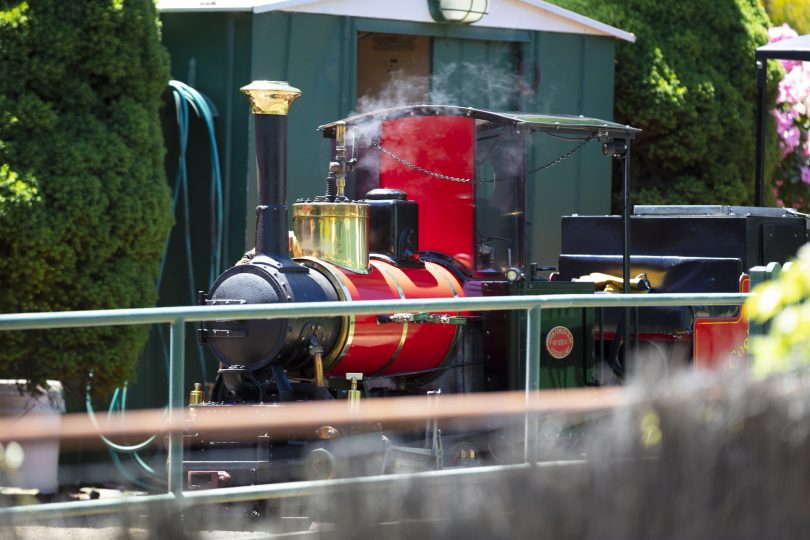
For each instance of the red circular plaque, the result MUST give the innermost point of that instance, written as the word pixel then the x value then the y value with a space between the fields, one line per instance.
pixel 559 342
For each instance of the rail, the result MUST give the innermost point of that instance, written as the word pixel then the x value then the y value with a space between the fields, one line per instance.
pixel 177 317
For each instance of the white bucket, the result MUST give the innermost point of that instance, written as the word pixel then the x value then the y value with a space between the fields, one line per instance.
pixel 40 466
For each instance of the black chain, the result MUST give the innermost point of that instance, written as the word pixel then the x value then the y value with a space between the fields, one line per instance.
pixel 422 170
pixel 561 158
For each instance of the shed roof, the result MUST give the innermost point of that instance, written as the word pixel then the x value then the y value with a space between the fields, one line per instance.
pixel 535 15
pixel 797 48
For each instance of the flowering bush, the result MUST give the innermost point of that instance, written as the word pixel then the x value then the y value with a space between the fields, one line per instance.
pixel 785 302
pixel 792 174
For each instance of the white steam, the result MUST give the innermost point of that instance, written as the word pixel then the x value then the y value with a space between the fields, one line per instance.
pixel 464 84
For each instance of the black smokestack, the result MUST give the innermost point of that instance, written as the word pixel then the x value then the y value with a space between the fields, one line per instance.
pixel 270 102
pixel 271 161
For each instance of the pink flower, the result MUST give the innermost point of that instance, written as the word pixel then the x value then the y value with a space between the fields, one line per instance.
pixel 780 33
pixel 795 87
pixel 805 174
pixel 790 140
pixel 785 119
pixel 790 65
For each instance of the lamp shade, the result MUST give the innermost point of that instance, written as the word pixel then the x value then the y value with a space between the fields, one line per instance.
pixel 462 11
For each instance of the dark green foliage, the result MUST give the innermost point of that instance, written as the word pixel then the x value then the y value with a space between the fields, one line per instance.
pixel 689 82
pixel 84 205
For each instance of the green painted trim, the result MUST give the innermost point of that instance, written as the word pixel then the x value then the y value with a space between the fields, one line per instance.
pixel 441 30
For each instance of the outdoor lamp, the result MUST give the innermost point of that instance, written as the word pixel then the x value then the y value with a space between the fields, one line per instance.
pixel 458 11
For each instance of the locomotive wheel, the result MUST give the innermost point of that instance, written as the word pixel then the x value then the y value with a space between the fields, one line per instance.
pixel 320 464
pixel 463 454
pixel 505 444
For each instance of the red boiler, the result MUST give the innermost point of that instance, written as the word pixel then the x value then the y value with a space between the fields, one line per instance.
pixel 376 348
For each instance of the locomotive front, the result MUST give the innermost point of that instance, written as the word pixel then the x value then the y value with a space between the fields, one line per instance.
pixel 308 358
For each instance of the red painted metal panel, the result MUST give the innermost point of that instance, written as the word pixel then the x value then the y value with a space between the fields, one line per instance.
pixel 392 348
pixel 370 344
pixel 722 341
pixel 426 345
pixel 442 144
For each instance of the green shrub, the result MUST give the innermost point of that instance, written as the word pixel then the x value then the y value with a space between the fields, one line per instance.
pixel 84 205
pixel 689 82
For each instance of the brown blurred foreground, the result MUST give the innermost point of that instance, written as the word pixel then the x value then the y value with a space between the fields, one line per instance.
pixel 690 459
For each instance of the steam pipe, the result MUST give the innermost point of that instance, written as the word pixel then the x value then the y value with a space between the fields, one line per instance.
pixel 270 102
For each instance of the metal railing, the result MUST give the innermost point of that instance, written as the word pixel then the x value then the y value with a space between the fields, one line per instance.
pixel 177 317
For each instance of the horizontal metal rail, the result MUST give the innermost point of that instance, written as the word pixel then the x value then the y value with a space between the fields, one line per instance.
pixel 117 317
pixel 179 316
pixel 20 514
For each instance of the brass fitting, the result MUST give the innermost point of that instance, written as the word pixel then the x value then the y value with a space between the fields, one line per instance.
pixel 316 351
pixel 270 97
pixel 342 164
pixel 318 360
pixel 197 396
pixel 326 432
pixel 354 393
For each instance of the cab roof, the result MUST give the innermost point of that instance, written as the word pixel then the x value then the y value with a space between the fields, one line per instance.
pixel 562 124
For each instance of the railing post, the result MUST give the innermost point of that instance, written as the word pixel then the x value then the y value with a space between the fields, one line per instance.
pixel 532 371
pixel 761 274
pixel 176 381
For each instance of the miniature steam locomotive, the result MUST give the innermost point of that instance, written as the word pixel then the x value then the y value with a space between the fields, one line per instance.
pixel 441 213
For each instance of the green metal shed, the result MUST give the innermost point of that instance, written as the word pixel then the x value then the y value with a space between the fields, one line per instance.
pixel 353 55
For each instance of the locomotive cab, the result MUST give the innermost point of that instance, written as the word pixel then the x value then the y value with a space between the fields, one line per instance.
pixel 466 169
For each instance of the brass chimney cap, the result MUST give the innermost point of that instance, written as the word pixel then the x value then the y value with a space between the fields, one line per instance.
pixel 270 97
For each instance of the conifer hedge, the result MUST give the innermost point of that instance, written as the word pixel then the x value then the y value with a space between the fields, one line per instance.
pixel 84 204
pixel 689 82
